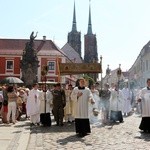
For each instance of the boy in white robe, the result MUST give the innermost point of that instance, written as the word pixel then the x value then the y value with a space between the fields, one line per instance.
pixel 33 105
pixel 68 108
pixel 94 113
pixel 81 95
pixel 105 103
pixel 46 98
pixel 127 96
pixel 116 100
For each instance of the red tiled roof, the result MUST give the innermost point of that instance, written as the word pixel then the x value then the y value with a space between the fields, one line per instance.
pixel 19 44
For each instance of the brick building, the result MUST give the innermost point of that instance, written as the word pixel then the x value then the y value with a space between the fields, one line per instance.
pixel 48 53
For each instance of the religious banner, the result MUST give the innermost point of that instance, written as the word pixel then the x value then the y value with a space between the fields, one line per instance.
pixel 79 68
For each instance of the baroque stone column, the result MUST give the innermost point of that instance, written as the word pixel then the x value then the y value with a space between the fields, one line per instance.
pixel 29 63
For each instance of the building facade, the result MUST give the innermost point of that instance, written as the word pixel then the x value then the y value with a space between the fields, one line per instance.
pixel 140 70
pixel 11 51
pixel 112 78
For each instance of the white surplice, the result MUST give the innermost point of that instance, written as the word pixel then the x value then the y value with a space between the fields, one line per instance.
pixel 68 109
pixel 95 120
pixel 81 103
pixel 127 96
pixel 49 98
pixel 33 103
pixel 116 100
pixel 145 100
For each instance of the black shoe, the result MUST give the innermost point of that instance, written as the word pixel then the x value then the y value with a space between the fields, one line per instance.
pixel 121 121
pixel 112 121
pixel 61 124
pixel 85 134
pixel 32 124
pixel 81 135
pixel 145 131
pixel 38 124
pixel 57 124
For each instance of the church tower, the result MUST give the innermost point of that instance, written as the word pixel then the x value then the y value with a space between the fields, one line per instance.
pixel 74 37
pixel 90 46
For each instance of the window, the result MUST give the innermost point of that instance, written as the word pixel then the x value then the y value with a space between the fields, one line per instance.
pixel 146 65
pixel 51 65
pixel 9 65
pixel 143 66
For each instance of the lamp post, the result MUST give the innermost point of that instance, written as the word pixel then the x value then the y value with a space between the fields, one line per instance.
pixel 44 73
pixel 107 72
pixel 119 72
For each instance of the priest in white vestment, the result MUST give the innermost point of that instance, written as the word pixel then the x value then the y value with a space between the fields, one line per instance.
pixel 33 105
pixel 127 98
pixel 46 98
pixel 68 110
pixel 82 95
pixel 94 112
pixel 105 103
pixel 144 98
pixel 116 100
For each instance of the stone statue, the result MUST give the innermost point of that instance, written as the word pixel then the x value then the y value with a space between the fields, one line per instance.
pixel 32 37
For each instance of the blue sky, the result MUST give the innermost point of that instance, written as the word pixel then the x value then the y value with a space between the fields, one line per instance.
pixel 122 27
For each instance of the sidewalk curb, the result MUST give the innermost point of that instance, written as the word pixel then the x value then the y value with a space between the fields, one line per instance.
pixel 24 140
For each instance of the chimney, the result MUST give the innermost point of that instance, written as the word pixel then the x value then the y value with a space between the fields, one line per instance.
pixel 44 38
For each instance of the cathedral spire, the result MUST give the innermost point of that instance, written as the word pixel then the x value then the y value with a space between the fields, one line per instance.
pixel 74 27
pixel 89 23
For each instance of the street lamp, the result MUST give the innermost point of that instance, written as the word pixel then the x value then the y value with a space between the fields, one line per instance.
pixel 119 72
pixel 107 72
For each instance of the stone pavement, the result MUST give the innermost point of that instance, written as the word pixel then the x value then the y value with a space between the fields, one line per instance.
pixel 118 136
pixel 14 137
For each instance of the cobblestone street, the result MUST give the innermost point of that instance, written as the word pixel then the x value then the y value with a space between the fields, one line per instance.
pixel 116 136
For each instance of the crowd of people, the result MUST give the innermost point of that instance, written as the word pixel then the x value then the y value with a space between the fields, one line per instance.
pixel 80 105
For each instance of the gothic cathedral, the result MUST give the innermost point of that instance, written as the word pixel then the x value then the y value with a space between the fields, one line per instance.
pixel 90 42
